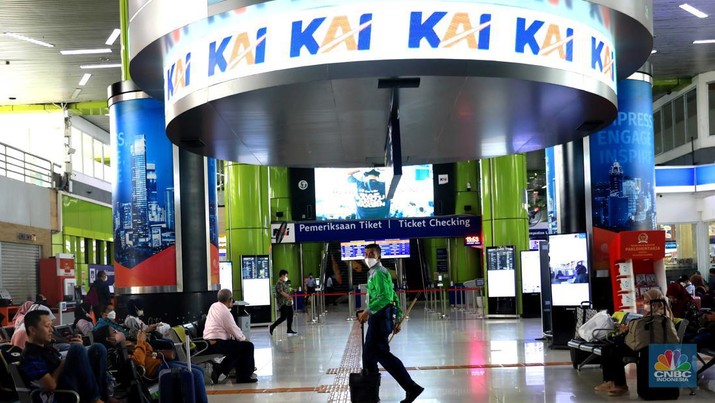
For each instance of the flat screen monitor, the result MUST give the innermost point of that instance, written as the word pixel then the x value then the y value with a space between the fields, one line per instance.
pixel 530 271
pixel 501 272
pixel 360 193
pixel 568 266
pixel 225 275
pixel 391 249
pixel 534 244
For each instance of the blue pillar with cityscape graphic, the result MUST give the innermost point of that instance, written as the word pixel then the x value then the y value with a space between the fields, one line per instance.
pixel 622 168
pixel 164 212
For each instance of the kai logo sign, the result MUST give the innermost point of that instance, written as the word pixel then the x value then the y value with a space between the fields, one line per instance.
pixel 178 75
pixel 602 58
pixel 236 50
pixel 447 29
pixel 672 365
pixel 544 39
pixel 340 33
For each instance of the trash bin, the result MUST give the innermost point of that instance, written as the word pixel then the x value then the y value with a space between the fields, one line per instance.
pixel 243 318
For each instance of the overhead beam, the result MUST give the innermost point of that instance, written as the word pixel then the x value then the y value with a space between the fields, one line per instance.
pixel 89 108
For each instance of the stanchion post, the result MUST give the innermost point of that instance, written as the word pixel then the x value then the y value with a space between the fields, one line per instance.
pixel 351 306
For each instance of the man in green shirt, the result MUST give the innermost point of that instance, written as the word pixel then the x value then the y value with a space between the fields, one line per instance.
pixel 381 306
pixel 284 302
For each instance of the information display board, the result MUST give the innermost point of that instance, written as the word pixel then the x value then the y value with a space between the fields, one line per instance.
pixel 568 265
pixel 225 275
pixel 256 280
pixel 391 249
pixel 530 271
pixel 500 272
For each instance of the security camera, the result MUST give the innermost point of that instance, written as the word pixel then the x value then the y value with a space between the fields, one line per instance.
pixel 71 151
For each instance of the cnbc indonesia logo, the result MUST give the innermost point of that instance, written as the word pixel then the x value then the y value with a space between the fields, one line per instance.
pixel 672 366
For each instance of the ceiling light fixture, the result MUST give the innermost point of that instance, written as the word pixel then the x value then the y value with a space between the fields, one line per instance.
pixel 76 92
pixel 85 51
pixel 113 37
pixel 703 41
pixel 652 52
pixel 84 79
pixel 28 39
pixel 692 10
pixel 100 66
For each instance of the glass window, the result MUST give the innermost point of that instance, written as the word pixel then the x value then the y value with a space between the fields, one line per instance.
pixel 711 107
pixel 107 162
pixel 657 133
pixel 667 126
pixel 679 127
pixel 98 159
pixel 76 144
pixel 87 155
pixel 691 122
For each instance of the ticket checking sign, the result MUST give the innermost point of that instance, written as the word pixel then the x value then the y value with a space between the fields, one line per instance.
pixel 263 39
pixel 323 231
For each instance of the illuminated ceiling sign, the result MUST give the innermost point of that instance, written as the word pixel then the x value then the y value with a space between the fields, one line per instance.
pixel 276 36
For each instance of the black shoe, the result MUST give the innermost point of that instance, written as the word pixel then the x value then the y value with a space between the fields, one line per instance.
pixel 217 376
pixel 412 393
pixel 292 332
pixel 270 330
pixel 247 380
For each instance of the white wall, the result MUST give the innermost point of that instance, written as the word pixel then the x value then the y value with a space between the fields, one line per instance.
pixel 678 208
pixel 24 204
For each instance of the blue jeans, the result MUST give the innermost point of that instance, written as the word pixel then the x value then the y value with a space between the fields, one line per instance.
pixel 199 386
pixel 377 348
pixel 85 372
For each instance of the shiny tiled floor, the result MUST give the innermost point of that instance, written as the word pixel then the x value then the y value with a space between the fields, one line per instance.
pixel 459 359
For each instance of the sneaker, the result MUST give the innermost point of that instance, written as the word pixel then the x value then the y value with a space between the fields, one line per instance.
pixel 217 376
pixel 412 394
pixel 618 391
pixel 291 332
pixel 604 387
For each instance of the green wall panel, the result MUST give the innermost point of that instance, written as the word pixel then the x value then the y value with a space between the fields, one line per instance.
pixel 247 196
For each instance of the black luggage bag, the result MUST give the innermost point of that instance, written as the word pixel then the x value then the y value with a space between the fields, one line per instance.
pixel 645 392
pixel 364 387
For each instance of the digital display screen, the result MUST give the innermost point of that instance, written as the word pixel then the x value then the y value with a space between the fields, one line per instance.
pixel 391 249
pixel 257 292
pixel 225 275
pixel 530 271
pixel 500 258
pixel 568 265
pixel 254 267
pixel 473 241
pixel 360 193
pixel 500 272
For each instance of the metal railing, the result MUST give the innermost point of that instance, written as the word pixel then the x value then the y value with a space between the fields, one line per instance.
pixel 26 167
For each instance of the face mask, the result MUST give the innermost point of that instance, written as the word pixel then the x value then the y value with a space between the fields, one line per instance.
pixel 140 313
pixel 370 261
pixel 112 315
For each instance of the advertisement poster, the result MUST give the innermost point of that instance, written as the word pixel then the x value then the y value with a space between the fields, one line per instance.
pixel 622 169
pixel 213 219
pixel 143 196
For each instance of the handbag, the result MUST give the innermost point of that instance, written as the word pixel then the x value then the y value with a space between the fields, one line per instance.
pixel 653 329
pixel 597 328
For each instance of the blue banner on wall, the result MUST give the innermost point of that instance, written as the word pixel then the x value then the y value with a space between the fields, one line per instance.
pixel 672 365
pixel 622 163
pixel 403 228
pixel 551 190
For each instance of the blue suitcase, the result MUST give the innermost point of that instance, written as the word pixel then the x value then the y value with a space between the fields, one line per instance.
pixel 177 384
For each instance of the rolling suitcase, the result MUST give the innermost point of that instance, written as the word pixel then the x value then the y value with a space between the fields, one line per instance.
pixel 364 387
pixel 177 384
pixel 645 392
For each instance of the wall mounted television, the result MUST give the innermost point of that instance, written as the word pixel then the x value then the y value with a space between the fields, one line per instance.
pixel 391 249
pixel 568 265
pixel 359 193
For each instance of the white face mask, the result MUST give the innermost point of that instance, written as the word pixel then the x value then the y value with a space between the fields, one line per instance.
pixel 112 315
pixel 140 313
pixel 370 261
